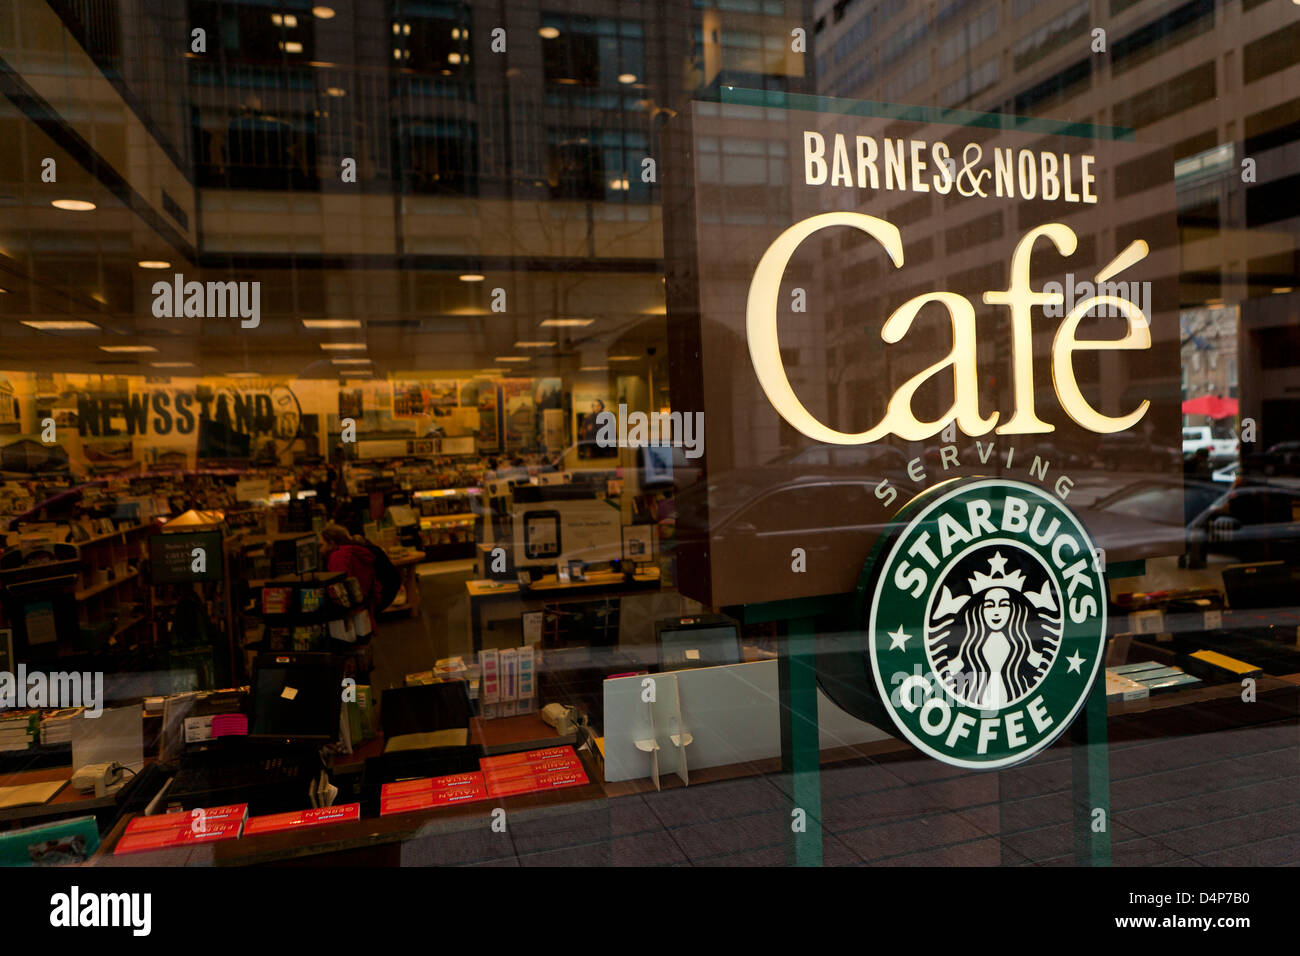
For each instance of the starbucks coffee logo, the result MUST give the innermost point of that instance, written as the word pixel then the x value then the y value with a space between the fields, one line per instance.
pixel 987 621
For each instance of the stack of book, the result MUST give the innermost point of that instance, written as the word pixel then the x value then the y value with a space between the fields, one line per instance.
pixel 184 828
pixel 534 770
pixel 56 725
pixel 18 728
pixel 427 792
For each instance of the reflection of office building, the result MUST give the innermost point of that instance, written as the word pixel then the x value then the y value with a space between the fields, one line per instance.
pixel 1215 82
pixel 365 166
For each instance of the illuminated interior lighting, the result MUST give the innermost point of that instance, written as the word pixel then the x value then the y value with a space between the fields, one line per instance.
pixel 59 325
pixel 172 364
pixel 626 78
pixel 342 346
pixel 566 323
pixel 127 348
pixel 154 264
pixel 322 13
pixel 471 277
pixel 511 358
pixel 351 361
pixel 331 323
pixel 548 33
pixel 534 345
pixel 73 205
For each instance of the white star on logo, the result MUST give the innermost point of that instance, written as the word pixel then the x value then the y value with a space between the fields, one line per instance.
pixel 997 563
pixel 898 640
pixel 1075 662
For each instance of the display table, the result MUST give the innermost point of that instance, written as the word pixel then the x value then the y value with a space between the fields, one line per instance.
pixel 406 565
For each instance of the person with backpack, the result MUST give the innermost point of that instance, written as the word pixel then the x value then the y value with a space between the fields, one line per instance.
pixel 357 558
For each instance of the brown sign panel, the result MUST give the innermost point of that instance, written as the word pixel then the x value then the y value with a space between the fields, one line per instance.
pixel 867 305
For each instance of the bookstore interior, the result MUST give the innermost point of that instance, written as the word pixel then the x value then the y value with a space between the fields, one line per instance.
pixel 343 510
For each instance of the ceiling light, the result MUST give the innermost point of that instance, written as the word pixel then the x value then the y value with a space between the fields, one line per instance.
pixel 566 323
pixel 618 184
pixel 172 364
pixel 453 58
pixel 1279 290
pixel 471 277
pixel 154 264
pixel 73 205
pixel 243 374
pixel 331 323
pixel 594 368
pixel 534 345
pixel 342 346
pixel 511 358
pixel 322 13
pixel 127 348
pixel 351 361
pixel 548 33
pixel 624 358
pixel 291 46
pixel 285 20
pixel 626 78
pixel 59 325
pixel 336 91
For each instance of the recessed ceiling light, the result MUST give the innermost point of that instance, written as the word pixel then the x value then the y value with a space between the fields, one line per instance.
pixel 351 361
pixel 290 46
pixel 453 58
pixel 1279 290
pixel 154 264
pixel 566 323
pixel 624 358
pixel 73 205
pixel 534 345
pixel 594 368
pixel 619 184
pixel 172 364
pixel 342 346
pixel 512 358
pixel 471 277
pixel 127 348
pixel 243 374
pixel 322 13
pixel 331 323
pixel 284 20
pixel 548 33
pixel 336 91
pixel 626 78
pixel 59 325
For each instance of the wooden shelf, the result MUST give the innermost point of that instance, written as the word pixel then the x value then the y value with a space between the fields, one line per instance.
pixel 442 519
pixel 112 534
pixel 98 588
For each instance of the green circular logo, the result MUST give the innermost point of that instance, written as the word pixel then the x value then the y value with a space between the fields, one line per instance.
pixel 987 621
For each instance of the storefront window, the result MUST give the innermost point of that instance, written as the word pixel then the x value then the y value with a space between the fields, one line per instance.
pixel 877 419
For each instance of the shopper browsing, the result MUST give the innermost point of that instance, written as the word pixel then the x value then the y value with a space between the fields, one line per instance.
pixel 352 556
